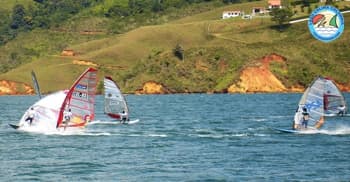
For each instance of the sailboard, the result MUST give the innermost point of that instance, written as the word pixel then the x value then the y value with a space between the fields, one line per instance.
pixel 286 130
pixel 80 98
pixel 307 131
pixel 114 101
pixel 36 84
pixel 14 126
pixel 321 99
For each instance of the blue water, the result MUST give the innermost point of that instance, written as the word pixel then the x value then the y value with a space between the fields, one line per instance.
pixel 179 138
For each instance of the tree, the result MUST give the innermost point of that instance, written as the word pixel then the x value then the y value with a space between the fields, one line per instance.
pixel 18 14
pixel 329 2
pixel 179 52
pixel 281 16
pixel 157 6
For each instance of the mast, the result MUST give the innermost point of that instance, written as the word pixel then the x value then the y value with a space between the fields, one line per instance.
pixel 36 84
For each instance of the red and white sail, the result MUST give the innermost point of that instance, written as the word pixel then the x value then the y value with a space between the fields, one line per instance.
pixel 80 99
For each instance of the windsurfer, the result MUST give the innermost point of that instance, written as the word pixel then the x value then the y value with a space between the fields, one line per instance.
pixel 87 119
pixel 297 120
pixel 305 118
pixel 341 110
pixel 124 117
pixel 30 115
pixel 67 116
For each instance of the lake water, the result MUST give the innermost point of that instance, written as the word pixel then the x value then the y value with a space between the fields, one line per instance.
pixel 179 138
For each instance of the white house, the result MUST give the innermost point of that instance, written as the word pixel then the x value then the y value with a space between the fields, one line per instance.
pixel 230 14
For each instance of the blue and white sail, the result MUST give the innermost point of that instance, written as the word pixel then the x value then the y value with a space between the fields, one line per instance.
pixel 322 98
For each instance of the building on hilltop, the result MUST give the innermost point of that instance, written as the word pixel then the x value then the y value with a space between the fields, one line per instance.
pixel 231 14
pixel 275 4
pixel 259 11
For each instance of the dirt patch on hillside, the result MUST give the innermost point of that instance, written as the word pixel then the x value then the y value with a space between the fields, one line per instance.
pixel 343 88
pixel 14 88
pixel 152 87
pixel 85 63
pixel 259 78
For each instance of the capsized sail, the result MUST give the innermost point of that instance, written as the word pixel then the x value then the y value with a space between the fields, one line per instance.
pixel 322 98
pixel 46 113
pixel 114 101
pixel 36 84
pixel 80 99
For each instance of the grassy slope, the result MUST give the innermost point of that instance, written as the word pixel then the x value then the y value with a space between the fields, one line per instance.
pixel 7 5
pixel 215 51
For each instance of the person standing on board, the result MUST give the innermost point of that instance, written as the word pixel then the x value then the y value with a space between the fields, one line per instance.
pixel 341 110
pixel 305 118
pixel 124 117
pixel 67 115
pixel 30 115
pixel 87 119
pixel 297 119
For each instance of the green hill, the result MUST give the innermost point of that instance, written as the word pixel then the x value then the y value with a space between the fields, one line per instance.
pixel 215 51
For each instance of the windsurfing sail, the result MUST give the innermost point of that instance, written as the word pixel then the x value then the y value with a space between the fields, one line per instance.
pixel 36 84
pixel 322 98
pixel 80 99
pixel 46 113
pixel 114 101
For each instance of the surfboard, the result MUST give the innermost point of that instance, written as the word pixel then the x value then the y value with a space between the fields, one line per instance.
pixel 286 130
pixel 309 130
pixel 14 126
pixel 132 121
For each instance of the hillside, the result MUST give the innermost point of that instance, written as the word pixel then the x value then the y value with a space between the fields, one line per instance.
pixel 219 56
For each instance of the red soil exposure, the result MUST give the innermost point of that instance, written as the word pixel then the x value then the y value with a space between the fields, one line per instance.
pixel 152 87
pixel 259 78
pixel 14 88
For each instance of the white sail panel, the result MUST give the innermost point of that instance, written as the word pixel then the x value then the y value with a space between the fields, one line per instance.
pixel 333 99
pixel 46 112
pixel 115 102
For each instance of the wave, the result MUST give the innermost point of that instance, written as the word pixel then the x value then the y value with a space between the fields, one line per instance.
pixel 104 122
pixel 220 136
pixel 113 122
pixel 146 135
pixel 205 133
pixel 340 130
pixel 78 133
